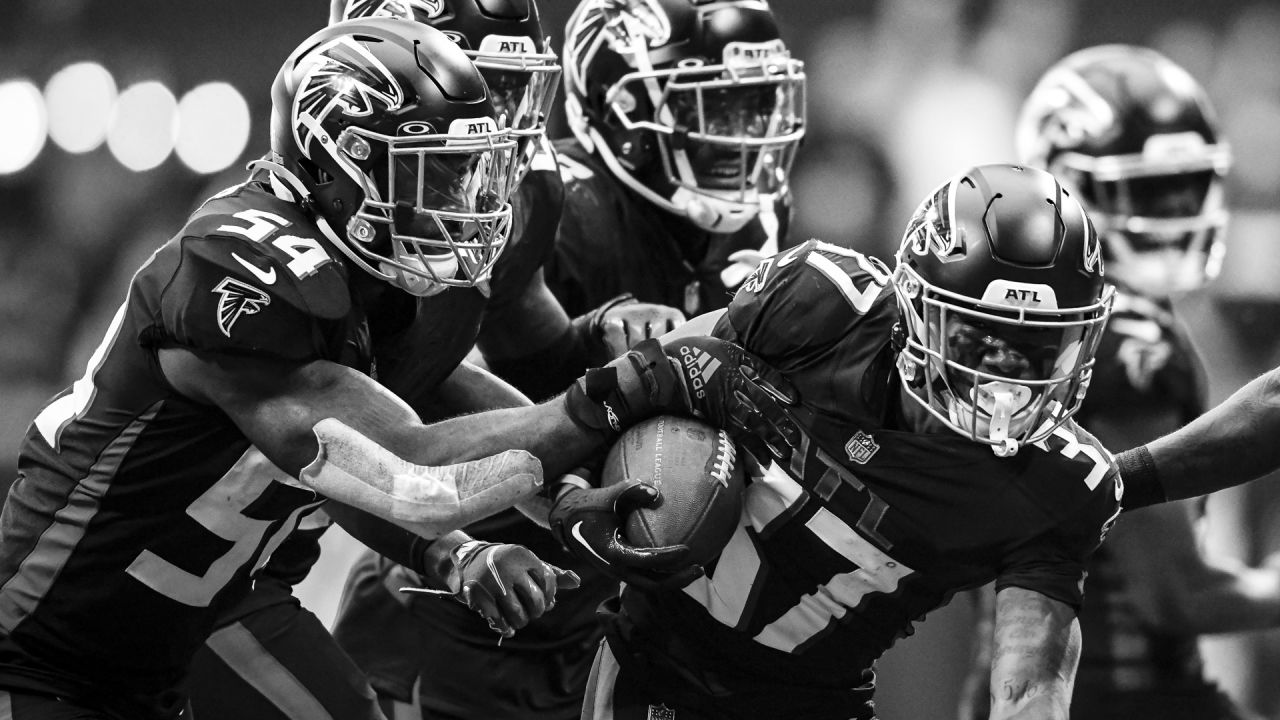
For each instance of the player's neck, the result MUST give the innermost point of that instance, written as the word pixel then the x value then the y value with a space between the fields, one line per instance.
pixel 909 415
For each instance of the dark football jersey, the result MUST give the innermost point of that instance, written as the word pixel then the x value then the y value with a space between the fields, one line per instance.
pixel 414 357
pixel 560 642
pixel 137 513
pixel 870 526
pixel 1148 376
pixel 612 241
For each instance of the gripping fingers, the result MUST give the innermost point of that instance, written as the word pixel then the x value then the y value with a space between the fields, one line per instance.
pixel 634 495
pixel 478 599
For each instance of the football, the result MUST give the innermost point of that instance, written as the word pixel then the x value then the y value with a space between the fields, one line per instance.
pixel 695 467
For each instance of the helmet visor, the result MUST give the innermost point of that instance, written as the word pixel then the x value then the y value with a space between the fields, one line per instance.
pixel 522 101
pixel 728 128
pixel 723 122
pixel 996 373
pixel 440 197
pixel 1161 224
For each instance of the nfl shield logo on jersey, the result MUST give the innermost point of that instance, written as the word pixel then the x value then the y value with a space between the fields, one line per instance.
pixel 861 447
pixel 661 712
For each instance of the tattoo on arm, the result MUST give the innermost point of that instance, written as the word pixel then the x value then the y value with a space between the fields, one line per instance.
pixel 1037 648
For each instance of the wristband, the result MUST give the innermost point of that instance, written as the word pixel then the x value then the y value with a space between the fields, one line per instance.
pixel 1141 480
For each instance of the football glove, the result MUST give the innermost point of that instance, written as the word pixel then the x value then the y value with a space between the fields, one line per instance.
pixel 705 377
pixel 617 325
pixel 730 388
pixel 587 521
pixel 506 584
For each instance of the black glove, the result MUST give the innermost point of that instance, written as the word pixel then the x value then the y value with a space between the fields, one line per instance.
pixel 732 389
pixel 636 386
pixel 507 584
pixel 586 520
pixel 706 377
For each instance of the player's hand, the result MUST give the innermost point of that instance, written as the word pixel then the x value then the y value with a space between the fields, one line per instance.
pixel 619 323
pixel 586 520
pixel 627 323
pixel 507 584
pixel 730 388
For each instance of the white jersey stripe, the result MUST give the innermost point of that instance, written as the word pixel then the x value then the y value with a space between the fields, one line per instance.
pixel 21 593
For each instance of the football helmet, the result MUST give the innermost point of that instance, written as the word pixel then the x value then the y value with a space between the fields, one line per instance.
pixel 1134 135
pixel 999 284
pixel 697 106
pixel 504 39
pixel 385 129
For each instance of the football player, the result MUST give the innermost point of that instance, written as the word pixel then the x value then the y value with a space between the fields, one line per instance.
pixel 932 450
pixel 718 83
pixel 1136 138
pixel 232 391
pixel 686 118
pixel 517 323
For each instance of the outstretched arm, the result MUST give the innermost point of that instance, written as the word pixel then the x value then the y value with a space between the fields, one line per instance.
pixel 1037 650
pixel 353 440
pixel 533 343
pixel 1235 442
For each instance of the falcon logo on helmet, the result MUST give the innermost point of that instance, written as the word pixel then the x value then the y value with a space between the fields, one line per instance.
pixel 930 230
pixel 343 76
pixel 1136 140
pixel 402 9
pixel 387 128
pixel 999 341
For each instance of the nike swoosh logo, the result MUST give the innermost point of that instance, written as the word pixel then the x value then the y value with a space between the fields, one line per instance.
pixel 268 276
pixel 790 257
pixel 576 531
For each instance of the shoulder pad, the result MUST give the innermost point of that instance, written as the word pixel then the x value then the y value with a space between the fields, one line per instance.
pixel 253 281
pixel 810 297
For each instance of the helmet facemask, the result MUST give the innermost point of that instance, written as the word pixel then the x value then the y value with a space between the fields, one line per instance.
pixel 999 373
pixel 725 134
pixel 434 212
pixel 522 84
pixel 1161 214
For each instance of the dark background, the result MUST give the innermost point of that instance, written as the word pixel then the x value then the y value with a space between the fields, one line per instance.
pixel 902 93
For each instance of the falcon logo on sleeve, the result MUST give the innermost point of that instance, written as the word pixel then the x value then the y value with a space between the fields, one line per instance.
pixel 238 298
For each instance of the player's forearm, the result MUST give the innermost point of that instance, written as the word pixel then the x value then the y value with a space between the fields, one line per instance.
pixel 1037 649
pixel 533 345
pixel 544 430
pixel 1235 442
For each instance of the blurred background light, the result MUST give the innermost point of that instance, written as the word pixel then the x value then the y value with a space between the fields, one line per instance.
pixel 143 126
pixel 79 98
pixel 213 127
pixel 23 124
